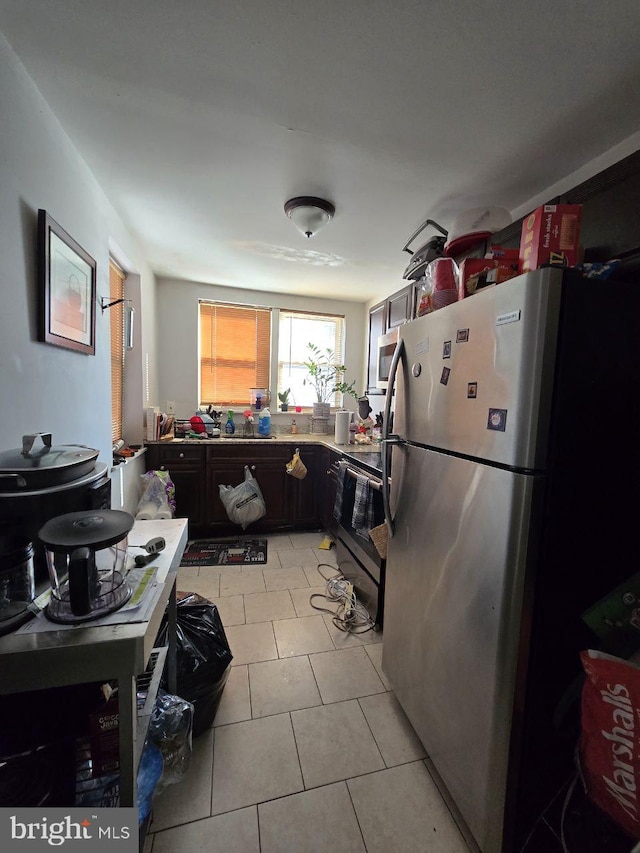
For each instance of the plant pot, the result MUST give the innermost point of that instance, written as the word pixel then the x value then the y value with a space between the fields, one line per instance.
pixel 321 410
pixel 284 407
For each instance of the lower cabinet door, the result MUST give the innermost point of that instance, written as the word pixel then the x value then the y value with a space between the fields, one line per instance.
pixel 270 476
pixel 189 495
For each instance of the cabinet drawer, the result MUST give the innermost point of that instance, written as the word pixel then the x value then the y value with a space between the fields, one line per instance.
pixel 181 454
pixel 248 453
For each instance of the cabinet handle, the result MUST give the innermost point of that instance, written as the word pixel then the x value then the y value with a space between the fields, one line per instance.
pixel 253 467
pixel 162 468
pixel 181 455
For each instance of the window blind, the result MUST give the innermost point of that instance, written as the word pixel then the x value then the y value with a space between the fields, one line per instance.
pixel 235 351
pixel 116 317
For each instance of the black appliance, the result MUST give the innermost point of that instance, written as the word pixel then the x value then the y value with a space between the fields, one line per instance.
pixel 31 495
pixel 358 559
pixel 420 259
pixel 17 588
pixel 86 556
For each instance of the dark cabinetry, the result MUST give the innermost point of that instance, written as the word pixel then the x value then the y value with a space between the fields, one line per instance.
pixel 225 466
pixel 400 306
pixel 186 465
pixel 394 311
pixel 198 470
pixel 377 327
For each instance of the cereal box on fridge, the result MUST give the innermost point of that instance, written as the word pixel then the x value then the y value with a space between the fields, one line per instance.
pixel 551 236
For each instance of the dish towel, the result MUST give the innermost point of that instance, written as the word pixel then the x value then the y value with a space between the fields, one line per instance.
pixel 337 506
pixel 363 516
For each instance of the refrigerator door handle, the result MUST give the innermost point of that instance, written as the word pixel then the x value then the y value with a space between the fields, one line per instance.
pixel 387 444
pixel 388 440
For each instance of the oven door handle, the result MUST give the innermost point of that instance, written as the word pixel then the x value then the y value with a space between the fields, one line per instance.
pixel 388 439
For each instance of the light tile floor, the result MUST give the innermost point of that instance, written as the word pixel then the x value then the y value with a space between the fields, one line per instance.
pixel 309 749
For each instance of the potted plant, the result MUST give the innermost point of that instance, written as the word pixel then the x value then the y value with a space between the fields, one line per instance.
pixel 327 378
pixel 283 396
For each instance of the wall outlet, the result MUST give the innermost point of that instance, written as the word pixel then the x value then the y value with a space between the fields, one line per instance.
pixel 171 407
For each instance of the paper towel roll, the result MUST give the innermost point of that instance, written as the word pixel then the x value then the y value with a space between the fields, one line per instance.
pixel 343 419
pixel 147 511
pixel 163 513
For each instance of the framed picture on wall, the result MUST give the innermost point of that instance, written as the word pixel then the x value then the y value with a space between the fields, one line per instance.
pixel 67 277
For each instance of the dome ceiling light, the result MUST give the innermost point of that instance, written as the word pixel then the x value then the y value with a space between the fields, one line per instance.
pixel 309 214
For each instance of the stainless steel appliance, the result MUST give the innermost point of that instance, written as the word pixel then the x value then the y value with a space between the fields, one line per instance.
pixel 358 559
pixel 386 348
pixel 512 482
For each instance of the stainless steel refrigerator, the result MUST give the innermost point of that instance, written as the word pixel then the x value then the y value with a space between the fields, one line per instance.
pixel 512 468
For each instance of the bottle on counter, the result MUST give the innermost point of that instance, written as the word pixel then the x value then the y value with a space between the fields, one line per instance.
pixel 264 424
pixel 294 428
pixel 230 427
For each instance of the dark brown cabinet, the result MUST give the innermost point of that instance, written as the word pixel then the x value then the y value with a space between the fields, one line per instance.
pixel 400 306
pixel 377 327
pixel 396 309
pixel 304 493
pixel 225 466
pixel 186 466
pixel 198 471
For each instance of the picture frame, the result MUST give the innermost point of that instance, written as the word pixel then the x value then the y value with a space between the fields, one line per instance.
pixel 67 281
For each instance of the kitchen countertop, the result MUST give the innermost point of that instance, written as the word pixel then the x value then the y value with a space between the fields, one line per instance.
pixel 367 454
pixel 282 438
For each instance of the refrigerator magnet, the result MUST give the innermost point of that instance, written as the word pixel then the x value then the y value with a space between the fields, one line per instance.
pixel 446 349
pixel 497 419
pixel 472 390
pixel 462 336
pixel 444 378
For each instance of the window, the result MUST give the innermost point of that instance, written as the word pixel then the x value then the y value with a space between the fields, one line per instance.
pixel 235 352
pixel 298 329
pixel 116 317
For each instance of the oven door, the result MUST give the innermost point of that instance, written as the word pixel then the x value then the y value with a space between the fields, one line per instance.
pixel 386 348
pixel 358 559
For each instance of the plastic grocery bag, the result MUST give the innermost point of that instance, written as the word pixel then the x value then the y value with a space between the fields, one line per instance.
pixel 203 656
pixel 158 496
pixel 244 503
pixel 170 731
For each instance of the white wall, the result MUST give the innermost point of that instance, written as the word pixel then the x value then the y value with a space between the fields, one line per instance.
pixel 43 387
pixel 178 334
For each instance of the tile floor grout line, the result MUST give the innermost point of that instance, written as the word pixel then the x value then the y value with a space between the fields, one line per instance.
pixel 355 811
pixel 258 825
pixel 295 741
pixel 213 761
pixel 249 686
pixel 366 719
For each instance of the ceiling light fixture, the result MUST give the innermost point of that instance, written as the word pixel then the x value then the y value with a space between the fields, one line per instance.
pixel 309 214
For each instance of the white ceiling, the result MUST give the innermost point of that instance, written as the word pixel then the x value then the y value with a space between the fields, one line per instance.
pixel 201 118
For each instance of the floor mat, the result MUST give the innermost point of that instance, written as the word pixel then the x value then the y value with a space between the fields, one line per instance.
pixel 225 552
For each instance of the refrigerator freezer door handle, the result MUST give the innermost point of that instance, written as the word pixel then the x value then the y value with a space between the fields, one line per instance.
pixel 387 439
pixel 387 444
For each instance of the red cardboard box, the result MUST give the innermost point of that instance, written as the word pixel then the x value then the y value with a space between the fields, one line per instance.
pixel 476 273
pixel 551 236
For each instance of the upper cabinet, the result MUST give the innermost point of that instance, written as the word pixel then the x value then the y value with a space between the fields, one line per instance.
pixel 377 327
pixel 400 306
pixel 394 311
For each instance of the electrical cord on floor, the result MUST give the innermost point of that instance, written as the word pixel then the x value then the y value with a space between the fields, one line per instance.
pixel 350 616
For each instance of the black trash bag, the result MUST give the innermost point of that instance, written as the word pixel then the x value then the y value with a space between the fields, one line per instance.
pixel 203 656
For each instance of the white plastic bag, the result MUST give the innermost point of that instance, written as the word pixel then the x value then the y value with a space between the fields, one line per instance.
pixel 158 496
pixel 244 503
